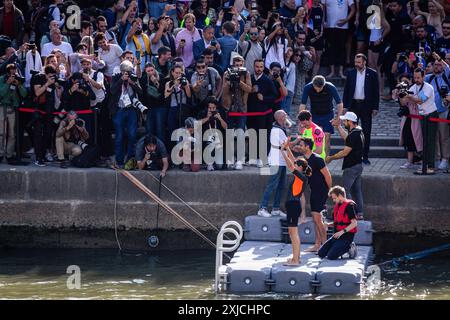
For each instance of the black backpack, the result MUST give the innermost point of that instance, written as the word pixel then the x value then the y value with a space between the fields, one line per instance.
pixel 88 158
pixel 42 20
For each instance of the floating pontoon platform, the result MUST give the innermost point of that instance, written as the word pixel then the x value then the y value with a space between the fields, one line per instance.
pixel 257 265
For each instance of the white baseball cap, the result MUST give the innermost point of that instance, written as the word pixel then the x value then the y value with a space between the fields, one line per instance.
pixel 349 116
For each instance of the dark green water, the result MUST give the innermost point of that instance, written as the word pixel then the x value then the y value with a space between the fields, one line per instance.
pixel 41 274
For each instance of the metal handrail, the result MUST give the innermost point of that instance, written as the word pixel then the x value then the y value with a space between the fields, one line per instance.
pixel 223 245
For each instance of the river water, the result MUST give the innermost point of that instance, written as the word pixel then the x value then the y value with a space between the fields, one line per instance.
pixel 105 274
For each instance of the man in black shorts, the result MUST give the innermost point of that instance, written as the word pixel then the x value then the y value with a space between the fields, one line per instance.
pixel 319 183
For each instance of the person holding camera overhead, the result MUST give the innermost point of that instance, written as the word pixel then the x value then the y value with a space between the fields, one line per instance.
pixel 276 45
pixel 251 49
pixel 46 92
pixel 12 91
pixel 440 82
pixel 123 106
pixel 71 138
pixel 410 130
pixel 422 94
pixel 177 93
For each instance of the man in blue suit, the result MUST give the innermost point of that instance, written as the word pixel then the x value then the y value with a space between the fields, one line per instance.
pixel 206 42
pixel 362 96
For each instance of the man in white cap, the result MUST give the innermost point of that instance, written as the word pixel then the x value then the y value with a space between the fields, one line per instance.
pixel 353 156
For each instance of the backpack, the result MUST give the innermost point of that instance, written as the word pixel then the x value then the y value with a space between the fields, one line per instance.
pixel 88 158
pixel 42 20
pixel 5 42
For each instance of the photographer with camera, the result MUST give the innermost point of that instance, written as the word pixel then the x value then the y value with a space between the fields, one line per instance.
pixel 152 85
pixel 48 91
pixel 275 45
pixel 410 130
pixel 77 96
pixel 177 94
pixel 71 138
pixel 163 37
pixel 237 85
pixel 12 91
pixel 440 82
pixel 250 49
pixel 213 122
pixel 206 82
pixel 422 94
pixel 277 75
pixel 151 154
pixel 124 105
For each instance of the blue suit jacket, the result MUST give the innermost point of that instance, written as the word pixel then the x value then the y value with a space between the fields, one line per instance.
pixel 198 48
pixel 371 89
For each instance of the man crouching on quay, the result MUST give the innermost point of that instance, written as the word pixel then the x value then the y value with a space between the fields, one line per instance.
pixel 344 216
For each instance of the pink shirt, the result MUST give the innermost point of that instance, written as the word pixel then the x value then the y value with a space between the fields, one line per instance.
pixel 188 50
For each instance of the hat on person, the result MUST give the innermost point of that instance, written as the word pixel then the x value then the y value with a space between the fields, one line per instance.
pixel 351 116
pixel 72 115
pixel 189 122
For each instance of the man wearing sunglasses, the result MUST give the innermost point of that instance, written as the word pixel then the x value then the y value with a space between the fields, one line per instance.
pixel 206 82
pixel 443 43
pixel 251 49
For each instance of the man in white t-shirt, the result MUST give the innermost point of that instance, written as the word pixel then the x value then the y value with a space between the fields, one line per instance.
pixel 277 180
pixel 423 95
pixel 109 53
pixel 56 43
pixel 338 16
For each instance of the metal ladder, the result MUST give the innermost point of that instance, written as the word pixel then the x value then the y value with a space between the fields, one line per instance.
pixel 222 245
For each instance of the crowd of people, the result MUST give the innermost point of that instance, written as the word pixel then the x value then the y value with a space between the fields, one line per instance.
pixel 92 89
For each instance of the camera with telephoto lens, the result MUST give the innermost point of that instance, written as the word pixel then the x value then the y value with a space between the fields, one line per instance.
pixel 82 144
pixel 138 105
pixel 275 74
pixel 234 74
pixel 402 88
pixel 402 57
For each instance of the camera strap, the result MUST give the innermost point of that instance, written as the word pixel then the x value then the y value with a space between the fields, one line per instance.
pixel 444 77
pixel 210 88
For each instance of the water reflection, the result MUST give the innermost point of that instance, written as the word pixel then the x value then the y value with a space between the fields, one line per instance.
pixel 105 274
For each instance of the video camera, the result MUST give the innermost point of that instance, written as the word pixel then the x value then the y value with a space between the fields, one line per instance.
pixel 402 88
pixel 234 74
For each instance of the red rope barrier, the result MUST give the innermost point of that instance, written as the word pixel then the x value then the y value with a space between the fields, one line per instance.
pixel 414 116
pixel 249 114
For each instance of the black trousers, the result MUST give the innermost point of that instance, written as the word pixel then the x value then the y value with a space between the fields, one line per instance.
pixel 261 122
pixel 104 130
pixel 365 118
pixel 337 39
pixel 42 135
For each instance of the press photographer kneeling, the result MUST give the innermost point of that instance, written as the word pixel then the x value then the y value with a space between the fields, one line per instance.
pixel 151 154
pixel 71 138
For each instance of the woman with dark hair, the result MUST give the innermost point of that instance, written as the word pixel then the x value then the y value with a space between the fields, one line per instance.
pixel 177 94
pixel 303 63
pixel 152 26
pixel 299 22
pixel 289 80
pixel 410 129
pixel 276 44
pixel 316 39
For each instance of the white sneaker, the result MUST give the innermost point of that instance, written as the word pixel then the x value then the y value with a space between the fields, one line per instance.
pixel 238 165
pixel 210 167
pixel 230 165
pixel 443 165
pixel 252 162
pixel 49 157
pixel 278 213
pixel 264 213
pixel 31 151
pixel 407 165
pixel 259 163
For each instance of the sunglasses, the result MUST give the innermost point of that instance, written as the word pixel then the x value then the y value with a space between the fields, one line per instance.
pixel 446 28
pixel 201 67
pixel 254 33
pixel 297 55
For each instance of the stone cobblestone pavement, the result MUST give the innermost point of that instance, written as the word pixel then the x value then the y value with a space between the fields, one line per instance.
pixel 385 124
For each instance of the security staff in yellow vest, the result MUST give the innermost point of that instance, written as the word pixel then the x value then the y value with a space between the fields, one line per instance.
pixel 139 43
